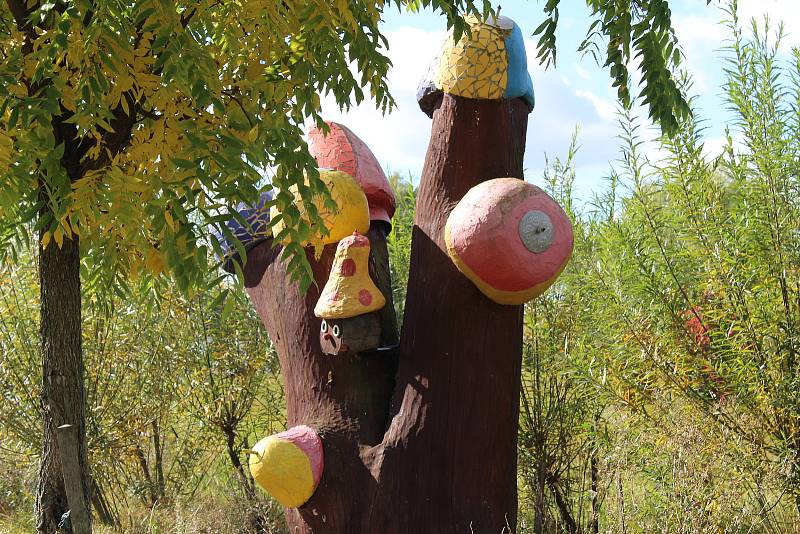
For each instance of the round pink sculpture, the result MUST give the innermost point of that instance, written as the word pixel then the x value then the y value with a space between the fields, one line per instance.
pixel 510 238
pixel 342 150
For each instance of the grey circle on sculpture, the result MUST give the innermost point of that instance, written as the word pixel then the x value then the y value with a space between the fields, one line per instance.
pixel 536 231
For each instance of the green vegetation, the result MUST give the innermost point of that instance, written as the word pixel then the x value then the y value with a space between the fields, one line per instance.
pixel 661 387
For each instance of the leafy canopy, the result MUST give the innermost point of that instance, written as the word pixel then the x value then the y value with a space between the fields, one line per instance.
pixel 131 123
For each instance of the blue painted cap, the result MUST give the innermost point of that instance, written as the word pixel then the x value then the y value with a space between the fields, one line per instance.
pixel 255 231
pixel 519 84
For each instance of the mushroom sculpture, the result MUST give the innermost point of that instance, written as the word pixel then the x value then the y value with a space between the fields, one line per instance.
pixel 488 64
pixel 349 301
pixel 351 213
pixel 509 238
pixel 288 465
pixel 342 150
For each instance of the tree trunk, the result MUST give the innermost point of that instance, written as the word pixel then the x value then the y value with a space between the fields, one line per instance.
pixel 159 453
pixel 422 438
pixel 63 395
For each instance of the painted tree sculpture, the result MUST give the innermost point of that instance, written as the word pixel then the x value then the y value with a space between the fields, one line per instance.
pixel 418 431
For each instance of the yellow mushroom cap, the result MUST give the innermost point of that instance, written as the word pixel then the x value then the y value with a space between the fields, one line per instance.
pixel 351 215
pixel 350 291
pixel 288 465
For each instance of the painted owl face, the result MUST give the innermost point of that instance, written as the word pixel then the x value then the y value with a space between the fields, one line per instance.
pixel 330 338
pixel 353 334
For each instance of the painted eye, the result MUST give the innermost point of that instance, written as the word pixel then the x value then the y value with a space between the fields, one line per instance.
pixel 510 238
pixel 324 327
pixel 336 331
pixel 536 231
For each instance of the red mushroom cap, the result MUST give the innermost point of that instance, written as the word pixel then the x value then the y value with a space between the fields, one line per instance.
pixel 342 150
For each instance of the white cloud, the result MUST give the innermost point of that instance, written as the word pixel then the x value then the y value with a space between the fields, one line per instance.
pixel 786 11
pixel 606 109
pixel 582 72
pixel 398 139
pixel 701 38
pixel 714 147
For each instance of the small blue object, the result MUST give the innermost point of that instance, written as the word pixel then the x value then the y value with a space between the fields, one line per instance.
pixel 255 231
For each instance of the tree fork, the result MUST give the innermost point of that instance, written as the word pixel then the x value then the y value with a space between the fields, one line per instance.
pixel 423 442
pixel 345 398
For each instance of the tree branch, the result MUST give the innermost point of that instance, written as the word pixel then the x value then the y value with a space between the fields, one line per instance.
pixel 21 14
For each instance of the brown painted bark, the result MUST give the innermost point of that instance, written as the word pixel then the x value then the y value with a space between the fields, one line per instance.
pixel 422 438
pixel 63 393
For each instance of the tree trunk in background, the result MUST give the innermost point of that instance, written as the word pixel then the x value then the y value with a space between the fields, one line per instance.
pixel 422 439
pixel 63 394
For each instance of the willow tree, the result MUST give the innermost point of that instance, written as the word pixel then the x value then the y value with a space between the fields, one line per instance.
pixel 125 125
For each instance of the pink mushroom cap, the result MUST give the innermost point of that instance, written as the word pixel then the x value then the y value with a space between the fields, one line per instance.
pixel 308 441
pixel 342 150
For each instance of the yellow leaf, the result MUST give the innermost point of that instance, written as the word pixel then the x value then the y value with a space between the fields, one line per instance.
pixel 254 71
pixel 45 239
pixel 155 262
pixel 58 235
pixel 67 227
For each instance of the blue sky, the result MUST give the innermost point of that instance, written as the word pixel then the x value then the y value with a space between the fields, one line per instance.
pixel 577 92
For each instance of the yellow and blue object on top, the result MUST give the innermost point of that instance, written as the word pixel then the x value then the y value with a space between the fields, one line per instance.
pixel 488 64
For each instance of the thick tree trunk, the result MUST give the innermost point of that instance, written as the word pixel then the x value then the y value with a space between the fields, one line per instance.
pixel 420 439
pixel 345 398
pixel 63 394
pixel 451 452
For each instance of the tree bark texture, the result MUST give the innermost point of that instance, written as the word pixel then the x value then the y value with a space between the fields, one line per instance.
pixel 63 394
pixel 422 438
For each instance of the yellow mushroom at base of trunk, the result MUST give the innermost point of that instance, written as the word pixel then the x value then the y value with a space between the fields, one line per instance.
pixel 288 465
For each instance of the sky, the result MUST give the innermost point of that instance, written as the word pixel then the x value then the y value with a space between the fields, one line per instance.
pixel 576 92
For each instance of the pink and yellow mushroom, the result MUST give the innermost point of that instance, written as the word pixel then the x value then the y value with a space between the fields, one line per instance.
pixel 288 465
pixel 510 239
pixel 349 301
